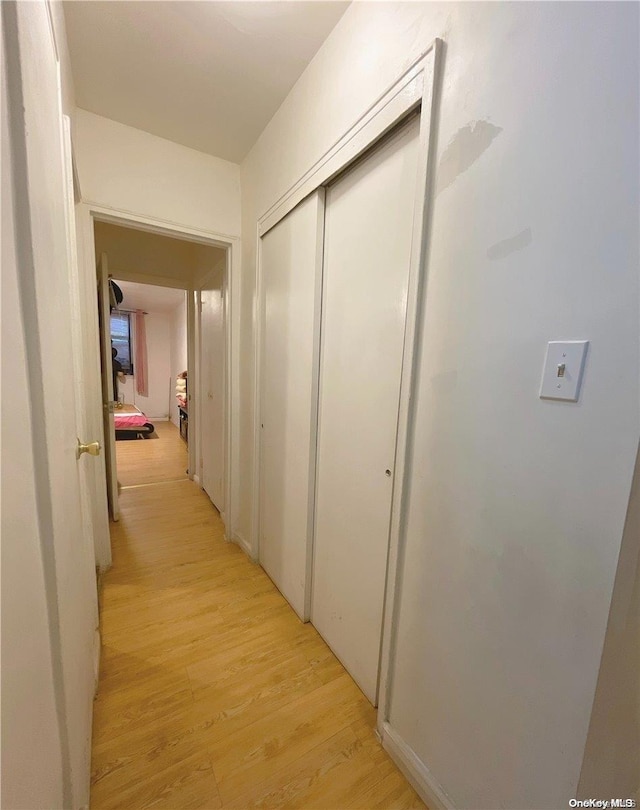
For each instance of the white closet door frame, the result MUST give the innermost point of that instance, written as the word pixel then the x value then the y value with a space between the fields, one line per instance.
pixel 416 87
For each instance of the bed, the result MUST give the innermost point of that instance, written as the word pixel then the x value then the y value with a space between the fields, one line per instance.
pixel 131 423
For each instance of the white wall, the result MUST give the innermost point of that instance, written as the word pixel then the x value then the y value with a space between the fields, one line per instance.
pixel 612 755
pixel 178 351
pixel 516 506
pixel 156 404
pixel 129 170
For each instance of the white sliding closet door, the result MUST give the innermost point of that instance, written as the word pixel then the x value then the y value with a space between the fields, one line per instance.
pixel 368 226
pixel 291 272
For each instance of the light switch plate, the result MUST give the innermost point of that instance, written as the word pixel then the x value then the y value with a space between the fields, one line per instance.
pixel 563 368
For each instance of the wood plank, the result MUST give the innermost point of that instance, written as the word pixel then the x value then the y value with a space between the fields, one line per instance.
pixel 290 786
pixel 284 736
pixel 145 461
pixel 212 693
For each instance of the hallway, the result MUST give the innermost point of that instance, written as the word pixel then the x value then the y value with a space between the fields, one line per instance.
pixel 212 693
pixel 149 461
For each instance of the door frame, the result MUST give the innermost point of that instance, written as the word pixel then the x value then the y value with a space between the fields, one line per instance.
pixel 416 88
pixel 88 214
pixel 109 391
pixel 204 284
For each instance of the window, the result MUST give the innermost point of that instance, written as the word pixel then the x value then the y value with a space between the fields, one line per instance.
pixel 121 340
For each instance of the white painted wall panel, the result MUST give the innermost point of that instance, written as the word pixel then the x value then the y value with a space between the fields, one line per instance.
pixel 130 170
pixel 516 506
pixel 290 267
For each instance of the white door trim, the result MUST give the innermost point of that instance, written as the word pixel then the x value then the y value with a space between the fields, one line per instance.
pixel 168 227
pixel 417 283
pixel 416 87
pixel 404 95
pixel 108 386
pixel 315 403
pixel 258 326
pixel 90 213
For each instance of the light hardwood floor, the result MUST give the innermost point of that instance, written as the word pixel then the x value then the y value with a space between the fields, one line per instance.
pixel 147 461
pixel 212 693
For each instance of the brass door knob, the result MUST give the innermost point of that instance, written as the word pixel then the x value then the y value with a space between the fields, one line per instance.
pixel 93 448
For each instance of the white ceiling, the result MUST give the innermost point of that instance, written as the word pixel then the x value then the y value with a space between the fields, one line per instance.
pixel 209 75
pixel 149 297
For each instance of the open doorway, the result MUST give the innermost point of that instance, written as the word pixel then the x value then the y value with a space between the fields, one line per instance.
pixel 148 329
pixel 164 363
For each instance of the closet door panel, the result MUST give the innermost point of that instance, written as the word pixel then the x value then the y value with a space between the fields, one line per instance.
pixel 368 226
pixel 290 268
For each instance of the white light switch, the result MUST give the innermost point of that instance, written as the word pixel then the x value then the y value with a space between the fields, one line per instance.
pixel 563 367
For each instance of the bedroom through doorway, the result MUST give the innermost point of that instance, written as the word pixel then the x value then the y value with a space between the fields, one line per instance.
pixel 151 290
pixel 148 329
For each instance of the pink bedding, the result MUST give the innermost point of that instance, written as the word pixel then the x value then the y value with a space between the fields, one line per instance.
pixel 129 420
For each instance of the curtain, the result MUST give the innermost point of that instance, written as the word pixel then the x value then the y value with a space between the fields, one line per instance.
pixel 140 363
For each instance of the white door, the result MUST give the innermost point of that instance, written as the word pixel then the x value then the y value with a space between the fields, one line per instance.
pixel 86 462
pixel 108 395
pixel 291 266
pixel 44 257
pixel 368 225
pixel 212 390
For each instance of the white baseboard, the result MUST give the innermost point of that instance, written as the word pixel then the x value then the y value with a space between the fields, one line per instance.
pixel 240 541
pixel 415 770
pixel 158 418
pixel 196 478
